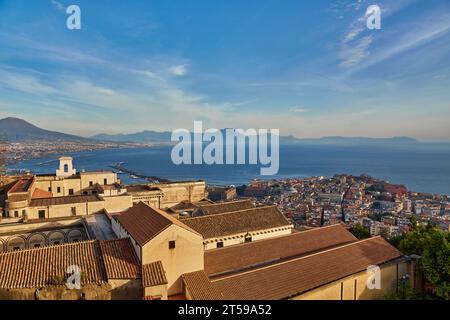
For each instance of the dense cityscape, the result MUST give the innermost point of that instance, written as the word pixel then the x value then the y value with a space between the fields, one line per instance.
pixel 19 151
pixel 383 208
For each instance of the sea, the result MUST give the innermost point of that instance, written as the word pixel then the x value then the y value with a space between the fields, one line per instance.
pixel 422 167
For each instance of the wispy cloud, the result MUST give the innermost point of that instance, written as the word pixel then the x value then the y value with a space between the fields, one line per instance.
pixel 24 83
pixel 356 41
pixel 178 70
pixel 136 75
pixel 298 109
pixel 58 5
pixel 352 55
pixel 426 31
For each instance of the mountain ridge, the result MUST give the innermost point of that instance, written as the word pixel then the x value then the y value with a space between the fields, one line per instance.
pixel 17 130
pixel 165 136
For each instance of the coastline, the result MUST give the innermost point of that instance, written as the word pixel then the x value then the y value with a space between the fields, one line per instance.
pixel 396 166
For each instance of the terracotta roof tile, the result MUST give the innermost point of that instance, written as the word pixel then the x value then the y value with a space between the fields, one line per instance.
pixel 217 225
pixel 247 255
pixel 39 194
pixel 183 206
pixel 22 185
pixel 120 259
pixel 43 266
pixel 153 274
pixel 47 266
pixel 217 208
pixel 63 200
pixel 293 277
pixel 143 222
pixel 199 287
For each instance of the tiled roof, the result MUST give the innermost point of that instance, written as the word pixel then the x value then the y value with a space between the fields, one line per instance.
pixel 43 266
pixel 47 266
pixel 217 208
pixel 141 188
pixel 199 287
pixel 143 222
pixel 63 200
pixel 22 185
pixel 274 250
pixel 153 274
pixel 39 194
pixel 183 206
pixel 120 259
pixel 293 277
pixel 217 225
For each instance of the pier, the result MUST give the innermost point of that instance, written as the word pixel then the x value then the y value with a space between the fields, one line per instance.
pixel 153 179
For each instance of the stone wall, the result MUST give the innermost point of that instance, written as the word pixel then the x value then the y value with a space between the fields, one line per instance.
pixel 174 193
pixel 115 290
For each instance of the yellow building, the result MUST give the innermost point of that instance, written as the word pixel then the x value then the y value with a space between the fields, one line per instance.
pixel 221 229
pixel 320 264
pixel 159 257
pixel 157 236
pixel 65 194
pixel 176 192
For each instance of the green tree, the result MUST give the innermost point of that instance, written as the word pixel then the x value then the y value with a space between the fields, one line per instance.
pixel 359 231
pixel 434 247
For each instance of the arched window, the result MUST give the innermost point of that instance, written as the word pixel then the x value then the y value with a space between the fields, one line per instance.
pixel 248 237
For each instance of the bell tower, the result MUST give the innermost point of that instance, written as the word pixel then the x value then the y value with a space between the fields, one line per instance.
pixel 65 167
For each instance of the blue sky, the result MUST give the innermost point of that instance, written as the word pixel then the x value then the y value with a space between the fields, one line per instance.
pixel 309 68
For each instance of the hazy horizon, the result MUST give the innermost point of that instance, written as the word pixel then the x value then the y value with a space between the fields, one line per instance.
pixel 190 129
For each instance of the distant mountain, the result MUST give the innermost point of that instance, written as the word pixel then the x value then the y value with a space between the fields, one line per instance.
pixel 164 137
pixel 17 130
pixel 138 137
pixel 337 140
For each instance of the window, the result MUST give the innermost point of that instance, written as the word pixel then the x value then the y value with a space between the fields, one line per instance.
pixel 71 192
pixel 220 244
pixel 105 181
pixel 85 193
pixel 91 183
pixel 58 189
pixel 41 214
pixel 49 189
pixel 24 212
pixel 73 211
pixel 66 168
pixel 248 237
pixel 172 244
pixel 16 214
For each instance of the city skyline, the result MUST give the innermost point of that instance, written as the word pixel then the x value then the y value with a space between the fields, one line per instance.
pixel 310 69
